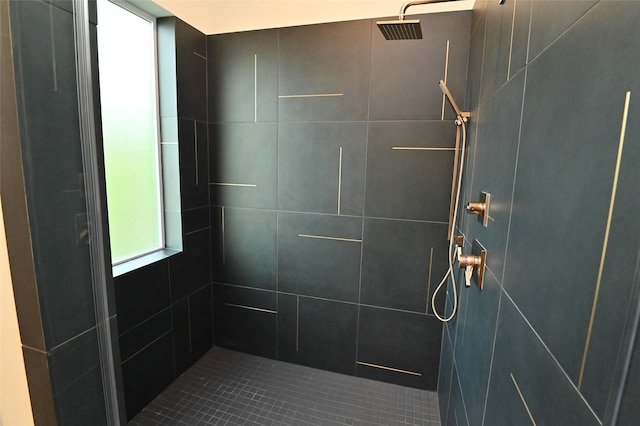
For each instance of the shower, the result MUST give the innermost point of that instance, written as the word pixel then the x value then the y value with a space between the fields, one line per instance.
pixel 404 29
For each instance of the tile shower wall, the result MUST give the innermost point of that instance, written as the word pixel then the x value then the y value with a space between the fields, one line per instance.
pixel 43 196
pixel 549 86
pixel 327 242
pixel 165 309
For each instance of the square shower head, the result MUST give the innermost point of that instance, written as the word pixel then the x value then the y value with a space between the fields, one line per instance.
pixel 401 30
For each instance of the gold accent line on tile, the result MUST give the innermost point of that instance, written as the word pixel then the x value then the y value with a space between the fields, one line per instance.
pixel 242 185
pixel 297 321
pixel 150 343
pixel 397 370
pixel 524 402
pixel 195 149
pixel 418 148
pixel 429 280
pixel 224 257
pixel 339 179
pixel 196 231
pixel 311 95
pixel 612 202
pixel 251 308
pixel 54 64
pixel 446 72
pixel 455 416
pixel 200 56
pixel 513 22
pixel 322 237
pixel 255 88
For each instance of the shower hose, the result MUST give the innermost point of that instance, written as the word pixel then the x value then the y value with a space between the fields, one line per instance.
pixel 453 251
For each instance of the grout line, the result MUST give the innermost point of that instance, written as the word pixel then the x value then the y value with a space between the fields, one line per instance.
pixel 199 55
pixel 196 231
pixel 146 346
pixel 311 95
pixel 446 72
pixel 606 236
pixel 429 280
pixel 251 308
pixel 321 237
pixel 255 88
pixel 524 402
pixel 397 370
pixel 339 180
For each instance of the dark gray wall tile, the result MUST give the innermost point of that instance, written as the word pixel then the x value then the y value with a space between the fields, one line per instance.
pixel 395 263
pixel 324 59
pixel 520 358
pixel 326 334
pixel 189 270
pixel 245 319
pixel 77 381
pixel 149 284
pixel 405 74
pixel 140 336
pixel 318 266
pixel 567 167
pixel 191 72
pixel 474 344
pixel 245 154
pixel 400 340
pixel 550 20
pixel 457 413
pixel 629 408
pixel 312 176
pixel 520 36
pixel 445 376
pixel 241 66
pixel 192 328
pixel 194 171
pixel 195 219
pixel 244 247
pixel 147 374
pixel 496 150
pixel 409 184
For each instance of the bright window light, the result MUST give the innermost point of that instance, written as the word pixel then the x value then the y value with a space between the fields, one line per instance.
pixel 129 100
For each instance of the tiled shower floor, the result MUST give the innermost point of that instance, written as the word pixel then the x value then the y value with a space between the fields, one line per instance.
pixel 231 388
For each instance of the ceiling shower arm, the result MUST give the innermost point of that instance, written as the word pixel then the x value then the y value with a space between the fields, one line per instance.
pixel 403 9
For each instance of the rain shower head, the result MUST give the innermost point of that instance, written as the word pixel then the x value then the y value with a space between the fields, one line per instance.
pixel 402 29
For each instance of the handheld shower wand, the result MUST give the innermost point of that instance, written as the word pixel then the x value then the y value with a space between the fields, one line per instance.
pixel 453 254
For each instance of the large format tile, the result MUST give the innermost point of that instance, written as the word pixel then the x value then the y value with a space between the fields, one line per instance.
pixel 191 72
pixel 245 319
pixel 243 76
pixel 564 179
pixel 194 156
pixel 405 74
pixel 321 167
pixel 243 164
pixel 244 247
pixel 496 150
pixel 189 270
pixel 329 59
pixel 192 328
pixel 402 263
pixel 410 184
pixel 402 341
pixel 319 255
pixel 526 382
pixel 149 285
pixel 317 333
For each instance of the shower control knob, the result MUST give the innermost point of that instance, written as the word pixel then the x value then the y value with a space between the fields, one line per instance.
pixel 476 208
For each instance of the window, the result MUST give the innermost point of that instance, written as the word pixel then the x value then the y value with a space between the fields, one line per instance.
pixel 129 100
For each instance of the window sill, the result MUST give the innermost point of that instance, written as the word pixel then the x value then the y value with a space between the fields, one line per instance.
pixel 143 261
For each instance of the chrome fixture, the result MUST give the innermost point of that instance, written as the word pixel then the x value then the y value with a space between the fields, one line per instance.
pixel 474 265
pixel 480 208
